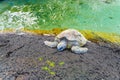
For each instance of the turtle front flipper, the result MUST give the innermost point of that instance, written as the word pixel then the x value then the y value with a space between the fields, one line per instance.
pixel 79 50
pixel 51 44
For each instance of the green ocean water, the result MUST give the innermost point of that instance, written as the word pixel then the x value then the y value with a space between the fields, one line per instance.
pixel 94 15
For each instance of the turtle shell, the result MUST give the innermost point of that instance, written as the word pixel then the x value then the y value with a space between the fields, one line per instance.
pixel 72 35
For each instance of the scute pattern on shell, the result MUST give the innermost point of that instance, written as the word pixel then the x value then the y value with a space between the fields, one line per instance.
pixel 72 35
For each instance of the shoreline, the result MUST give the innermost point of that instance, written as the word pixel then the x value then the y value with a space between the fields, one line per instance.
pixel 90 35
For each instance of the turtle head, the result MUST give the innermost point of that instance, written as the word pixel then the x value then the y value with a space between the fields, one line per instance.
pixel 62 45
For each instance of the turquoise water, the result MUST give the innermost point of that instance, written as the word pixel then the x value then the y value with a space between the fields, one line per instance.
pixel 85 15
pixel 107 19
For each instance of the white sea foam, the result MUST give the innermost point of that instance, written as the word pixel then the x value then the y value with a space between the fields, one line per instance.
pixel 16 20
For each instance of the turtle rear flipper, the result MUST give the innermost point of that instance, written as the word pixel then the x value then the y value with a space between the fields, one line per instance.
pixel 51 44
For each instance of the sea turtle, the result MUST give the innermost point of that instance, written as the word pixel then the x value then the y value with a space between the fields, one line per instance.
pixel 69 38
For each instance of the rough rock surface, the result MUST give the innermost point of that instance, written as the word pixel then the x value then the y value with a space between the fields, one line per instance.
pixel 22 57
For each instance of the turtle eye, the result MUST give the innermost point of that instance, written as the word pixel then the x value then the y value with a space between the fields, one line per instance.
pixel 60 49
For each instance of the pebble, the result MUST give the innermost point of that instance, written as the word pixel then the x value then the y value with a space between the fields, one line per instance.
pixel 0 78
